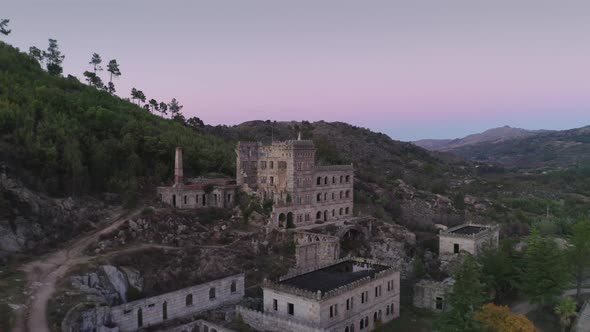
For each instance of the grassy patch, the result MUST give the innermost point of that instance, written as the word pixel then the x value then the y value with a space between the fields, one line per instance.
pixel 12 286
pixel 411 319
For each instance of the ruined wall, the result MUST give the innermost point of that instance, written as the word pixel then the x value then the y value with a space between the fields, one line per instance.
pixel 473 244
pixel 426 293
pixel 184 197
pixel 155 310
pixel 269 322
pixel 200 325
pixel 315 249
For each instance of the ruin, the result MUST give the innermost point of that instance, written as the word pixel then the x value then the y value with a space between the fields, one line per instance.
pixel 430 294
pixel 286 173
pixel 136 315
pixel 197 193
pixel 471 238
pixel 351 294
pixel 314 249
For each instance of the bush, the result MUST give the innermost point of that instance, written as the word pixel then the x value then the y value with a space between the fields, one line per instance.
pixel 147 211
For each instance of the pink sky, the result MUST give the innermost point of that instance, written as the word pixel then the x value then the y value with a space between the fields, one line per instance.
pixel 418 69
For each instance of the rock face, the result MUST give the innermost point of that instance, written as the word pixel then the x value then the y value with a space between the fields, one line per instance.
pixel 109 284
pixel 32 222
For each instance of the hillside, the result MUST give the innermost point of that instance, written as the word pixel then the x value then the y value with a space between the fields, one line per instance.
pixel 60 138
pixel 553 149
pixel 493 135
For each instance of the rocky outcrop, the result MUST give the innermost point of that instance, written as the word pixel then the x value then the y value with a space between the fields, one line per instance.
pixel 33 222
pixel 109 284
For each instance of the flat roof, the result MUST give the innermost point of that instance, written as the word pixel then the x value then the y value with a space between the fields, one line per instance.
pixel 468 230
pixel 333 276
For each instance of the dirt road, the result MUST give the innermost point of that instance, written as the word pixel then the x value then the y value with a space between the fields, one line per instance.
pixel 44 273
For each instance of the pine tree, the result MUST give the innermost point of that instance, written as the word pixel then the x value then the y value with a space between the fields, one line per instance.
pixel 578 252
pixel 4 26
pixel 53 58
pixel 36 54
pixel 113 69
pixel 95 61
pixel 111 88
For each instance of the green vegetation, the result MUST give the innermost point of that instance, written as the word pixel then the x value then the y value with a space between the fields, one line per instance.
pixel 566 310
pixel 12 287
pixel 78 139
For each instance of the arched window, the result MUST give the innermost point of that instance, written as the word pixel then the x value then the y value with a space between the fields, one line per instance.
pixel 347 329
pixel 318 215
pixel 341 178
pixel 319 198
pixel 189 300
pixel 375 317
pixel 347 178
pixel 205 328
pixel 325 196
pixel 319 181
pixel 379 314
pixel 341 194
pixel 333 179
pixel 352 327
pixel 165 310
pixel 333 196
pixel 367 321
pixel 346 210
pixel 347 193
pixel 139 318
pixel 362 324
pixel 232 287
pixel 387 310
pixel 212 293
pixel 326 180
pixel 333 213
pixel 341 211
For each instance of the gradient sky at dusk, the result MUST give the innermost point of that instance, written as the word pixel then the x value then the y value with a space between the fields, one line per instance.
pixel 411 69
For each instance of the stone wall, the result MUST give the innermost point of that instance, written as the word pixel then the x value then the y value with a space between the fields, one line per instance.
pixel 269 322
pixel 155 310
pixel 195 197
pixel 200 325
pixel 315 249
pixel 426 293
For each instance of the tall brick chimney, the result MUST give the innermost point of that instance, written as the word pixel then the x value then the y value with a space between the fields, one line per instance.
pixel 178 178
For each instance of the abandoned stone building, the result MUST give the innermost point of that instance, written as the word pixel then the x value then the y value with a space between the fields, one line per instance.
pixel 346 295
pixel 315 249
pixel 430 294
pixel 471 238
pixel 153 311
pixel 197 193
pixel 303 192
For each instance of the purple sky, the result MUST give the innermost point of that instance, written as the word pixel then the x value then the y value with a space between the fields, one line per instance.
pixel 411 69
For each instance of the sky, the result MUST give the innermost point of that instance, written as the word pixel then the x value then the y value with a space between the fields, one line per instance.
pixel 410 69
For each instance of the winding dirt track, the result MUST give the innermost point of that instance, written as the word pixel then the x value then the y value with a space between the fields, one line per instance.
pixel 44 273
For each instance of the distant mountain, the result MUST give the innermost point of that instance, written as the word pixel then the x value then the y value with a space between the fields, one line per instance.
pixel 493 135
pixel 550 149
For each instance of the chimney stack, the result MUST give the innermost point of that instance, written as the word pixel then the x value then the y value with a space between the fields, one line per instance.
pixel 178 178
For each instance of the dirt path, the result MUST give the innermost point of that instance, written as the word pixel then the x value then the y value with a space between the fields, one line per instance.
pixel 44 273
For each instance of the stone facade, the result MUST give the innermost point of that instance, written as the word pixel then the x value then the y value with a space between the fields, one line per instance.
pixel 303 192
pixel 197 193
pixel 153 311
pixel 313 249
pixel 353 294
pixel 200 325
pixel 430 294
pixel 471 238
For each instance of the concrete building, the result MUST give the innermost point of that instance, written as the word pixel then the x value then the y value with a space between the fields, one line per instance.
pixel 303 192
pixel 471 238
pixel 144 313
pixel 197 193
pixel 430 294
pixel 346 295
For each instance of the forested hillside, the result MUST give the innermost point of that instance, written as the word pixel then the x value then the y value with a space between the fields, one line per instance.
pixel 66 138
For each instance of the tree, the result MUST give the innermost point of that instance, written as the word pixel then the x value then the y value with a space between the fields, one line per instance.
pixel 4 26
pixel 146 107
pixel 195 122
pixel 95 62
pixel 467 297
pixel 498 269
pixel 113 69
pixel 565 309
pixel 544 274
pixel 36 54
pixel 111 88
pixel 501 319
pixel 174 108
pixel 163 108
pixel 578 252
pixel 154 105
pixel 134 94
pixel 53 58
pixel 93 79
pixel 141 97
